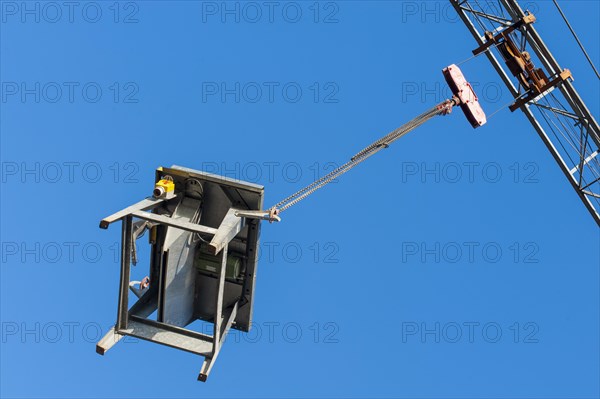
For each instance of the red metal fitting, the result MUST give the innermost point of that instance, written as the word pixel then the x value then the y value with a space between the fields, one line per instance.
pixel 465 95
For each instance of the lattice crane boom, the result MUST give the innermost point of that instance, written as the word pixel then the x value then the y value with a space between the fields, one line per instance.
pixel 557 112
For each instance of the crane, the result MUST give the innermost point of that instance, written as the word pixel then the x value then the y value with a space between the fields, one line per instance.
pixel 204 229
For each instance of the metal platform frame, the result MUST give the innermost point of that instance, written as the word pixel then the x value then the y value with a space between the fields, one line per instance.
pixel 134 322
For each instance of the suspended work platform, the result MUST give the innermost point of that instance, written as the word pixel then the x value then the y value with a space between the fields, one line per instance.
pixel 203 231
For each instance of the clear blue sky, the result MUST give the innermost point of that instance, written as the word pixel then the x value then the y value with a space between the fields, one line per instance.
pixel 457 263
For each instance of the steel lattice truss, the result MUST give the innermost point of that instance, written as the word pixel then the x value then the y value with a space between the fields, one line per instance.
pixel 559 115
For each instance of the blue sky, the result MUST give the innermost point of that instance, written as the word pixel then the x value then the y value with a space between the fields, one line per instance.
pixel 457 263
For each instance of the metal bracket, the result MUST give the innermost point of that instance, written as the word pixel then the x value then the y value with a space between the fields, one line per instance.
pixel 564 75
pixel 495 39
pixel 229 228
pixel 144 205
pixel 260 215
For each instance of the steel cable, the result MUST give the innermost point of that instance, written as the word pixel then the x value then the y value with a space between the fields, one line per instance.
pixel 440 109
